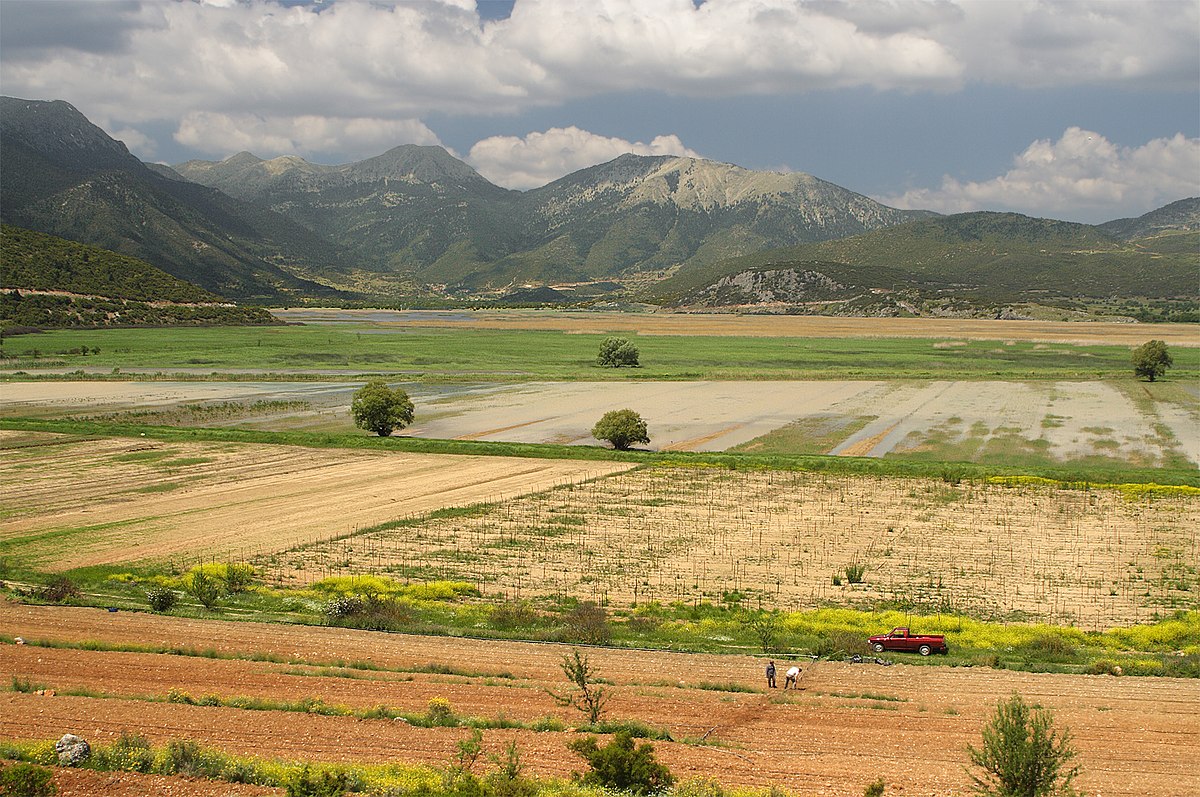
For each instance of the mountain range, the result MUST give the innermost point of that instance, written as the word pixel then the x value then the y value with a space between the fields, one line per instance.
pixel 420 211
pixel 417 221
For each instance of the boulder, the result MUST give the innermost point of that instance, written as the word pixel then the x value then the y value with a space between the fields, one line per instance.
pixel 72 750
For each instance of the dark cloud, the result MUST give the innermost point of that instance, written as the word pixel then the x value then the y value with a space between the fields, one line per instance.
pixel 82 25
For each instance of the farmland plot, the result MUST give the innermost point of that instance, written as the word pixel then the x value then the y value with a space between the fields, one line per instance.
pixel 1089 558
pixel 69 502
pixel 847 725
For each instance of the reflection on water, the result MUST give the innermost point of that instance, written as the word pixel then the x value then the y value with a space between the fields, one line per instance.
pixel 336 316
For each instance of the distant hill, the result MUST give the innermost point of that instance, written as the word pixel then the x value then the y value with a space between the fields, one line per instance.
pixel 420 211
pixel 65 176
pixel 966 262
pixel 1177 217
pixel 47 282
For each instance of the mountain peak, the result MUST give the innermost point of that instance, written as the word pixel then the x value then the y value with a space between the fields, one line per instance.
pixel 55 129
pixel 242 158
pixel 415 163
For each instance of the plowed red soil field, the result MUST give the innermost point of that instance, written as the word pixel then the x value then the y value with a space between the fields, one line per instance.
pixel 846 726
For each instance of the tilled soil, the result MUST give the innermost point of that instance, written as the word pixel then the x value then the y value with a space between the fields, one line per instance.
pixel 846 726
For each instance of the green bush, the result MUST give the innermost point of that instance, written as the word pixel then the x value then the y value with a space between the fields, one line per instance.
pixel 440 713
pixel 617 352
pixel 875 789
pixel 1022 754
pixel 622 765
pixel 26 780
pixel 237 577
pixel 204 588
pixel 306 783
pixel 161 599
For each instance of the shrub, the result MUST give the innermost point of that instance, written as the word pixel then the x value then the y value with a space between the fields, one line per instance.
pixel 623 765
pixel 343 607
pixel 185 757
pixel 306 783
pixel 698 787
pixel 1022 754
pixel 59 589
pixel 161 599
pixel 841 643
pixel 508 780
pixel 27 780
pixel 1048 646
pixel 1103 667
pixel 855 572
pixel 587 623
pixel 514 614
pixel 129 753
pixel 875 789
pixel 237 577
pixel 440 713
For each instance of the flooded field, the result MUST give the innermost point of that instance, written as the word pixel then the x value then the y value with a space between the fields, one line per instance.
pixel 1146 424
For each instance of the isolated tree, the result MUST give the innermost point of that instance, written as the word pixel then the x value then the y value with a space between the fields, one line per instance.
pixel 622 428
pixel 380 409
pixel 584 693
pixel 1152 359
pixel 1022 754
pixel 766 626
pixel 616 352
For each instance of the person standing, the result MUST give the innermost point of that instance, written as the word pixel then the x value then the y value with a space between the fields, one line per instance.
pixel 770 675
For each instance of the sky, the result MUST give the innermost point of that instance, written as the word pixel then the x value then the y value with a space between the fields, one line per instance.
pixel 1083 110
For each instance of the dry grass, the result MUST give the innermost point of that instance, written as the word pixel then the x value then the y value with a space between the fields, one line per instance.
pixel 1086 558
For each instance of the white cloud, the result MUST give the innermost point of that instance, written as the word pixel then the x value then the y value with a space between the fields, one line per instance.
pixel 222 133
pixel 540 158
pixel 137 142
pixel 1082 176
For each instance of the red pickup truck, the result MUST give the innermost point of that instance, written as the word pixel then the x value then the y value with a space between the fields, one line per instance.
pixel 901 639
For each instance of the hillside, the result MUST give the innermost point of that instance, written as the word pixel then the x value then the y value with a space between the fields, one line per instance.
pixel 36 261
pixel 66 177
pixel 979 259
pixel 49 282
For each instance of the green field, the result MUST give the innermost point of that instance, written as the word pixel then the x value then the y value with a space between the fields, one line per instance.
pixel 453 354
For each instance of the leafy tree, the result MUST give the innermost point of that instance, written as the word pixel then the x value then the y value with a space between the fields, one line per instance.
pixel 1022 754
pixel 585 695
pixel 380 409
pixel 766 626
pixel 620 765
pixel 616 352
pixel 622 428
pixel 1152 359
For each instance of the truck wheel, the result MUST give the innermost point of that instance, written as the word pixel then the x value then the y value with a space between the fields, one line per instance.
pixel 924 650
pixel 877 647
